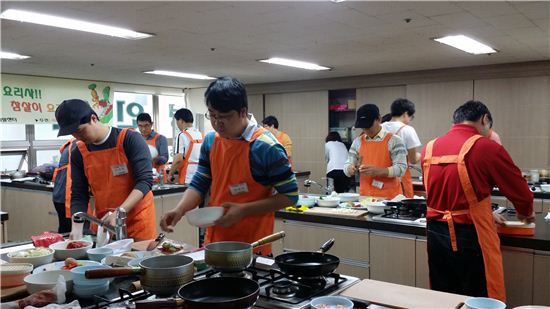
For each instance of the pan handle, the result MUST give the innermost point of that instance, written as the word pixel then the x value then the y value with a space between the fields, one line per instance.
pixel 268 239
pixel 327 245
pixel 159 303
pixel 112 272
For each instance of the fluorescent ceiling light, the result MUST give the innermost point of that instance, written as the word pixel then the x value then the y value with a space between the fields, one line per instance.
pixel 466 44
pixel 68 23
pixel 337 1
pixel 295 64
pixel 179 74
pixel 13 56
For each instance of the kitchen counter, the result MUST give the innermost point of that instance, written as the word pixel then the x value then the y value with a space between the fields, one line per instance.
pixel 540 241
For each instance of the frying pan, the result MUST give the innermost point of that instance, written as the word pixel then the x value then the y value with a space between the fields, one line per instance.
pixel 308 264
pixel 233 256
pixel 160 275
pixel 210 293
pixel 415 205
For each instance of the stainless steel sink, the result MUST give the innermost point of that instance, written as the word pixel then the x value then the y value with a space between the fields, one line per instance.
pixel 167 186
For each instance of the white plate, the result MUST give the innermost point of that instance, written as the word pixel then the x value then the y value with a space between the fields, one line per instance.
pixel 346 206
pixel 59 265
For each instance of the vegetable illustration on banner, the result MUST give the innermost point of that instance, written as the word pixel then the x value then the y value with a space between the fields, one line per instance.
pixel 103 106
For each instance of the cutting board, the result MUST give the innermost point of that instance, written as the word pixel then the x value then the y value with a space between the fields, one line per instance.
pixel 336 212
pixel 12 293
pixel 401 296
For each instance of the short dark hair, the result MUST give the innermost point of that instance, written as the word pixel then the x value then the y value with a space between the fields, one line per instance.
pixel 184 114
pixel 226 94
pixel 471 111
pixel 88 118
pixel 386 117
pixel 333 137
pixel 271 121
pixel 401 106
pixel 144 117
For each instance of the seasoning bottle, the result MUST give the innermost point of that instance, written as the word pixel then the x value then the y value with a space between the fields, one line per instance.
pixel 77 228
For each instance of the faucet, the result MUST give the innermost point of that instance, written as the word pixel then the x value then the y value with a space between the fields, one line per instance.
pixel 119 230
pixel 328 189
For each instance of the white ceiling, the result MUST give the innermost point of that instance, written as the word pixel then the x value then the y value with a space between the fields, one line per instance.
pixel 353 37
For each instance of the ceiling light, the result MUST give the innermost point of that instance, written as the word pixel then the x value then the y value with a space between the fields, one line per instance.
pixel 466 44
pixel 179 74
pixel 337 1
pixel 295 64
pixel 13 56
pixel 68 23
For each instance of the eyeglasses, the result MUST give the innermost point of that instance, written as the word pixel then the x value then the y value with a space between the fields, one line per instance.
pixel 223 118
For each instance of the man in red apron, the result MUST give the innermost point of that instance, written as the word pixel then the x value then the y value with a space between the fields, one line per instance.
pixel 459 172
pixel 377 154
pixel 114 164
pixel 402 113
pixel 244 167
pixel 155 140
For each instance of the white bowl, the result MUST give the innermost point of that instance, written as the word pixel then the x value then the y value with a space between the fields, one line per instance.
pixel 35 260
pixel 97 254
pixel 79 275
pixel 204 217
pixel 484 303
pixel 376 207
pixel 88 291
pixel 61 251
pixel 328 201
pixel 306 200
pixel 47 280
pixel 331 302
pixel 545 188
pixel 349 197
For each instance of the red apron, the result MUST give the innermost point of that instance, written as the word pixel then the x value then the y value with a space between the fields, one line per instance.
pixel 182 168
pixel 230 166
pixel 110 191
pixel 406 179
pixel 479 211
pixel 376 153
pixel 159 167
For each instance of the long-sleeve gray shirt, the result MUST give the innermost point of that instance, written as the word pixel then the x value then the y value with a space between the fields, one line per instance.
pixel 162 147
pixel 139 159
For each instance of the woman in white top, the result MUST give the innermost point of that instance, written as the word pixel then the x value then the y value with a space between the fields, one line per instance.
pixel 336 155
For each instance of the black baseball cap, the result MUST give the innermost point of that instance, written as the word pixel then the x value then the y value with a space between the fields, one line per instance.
pixel 366 115
pixel 70 113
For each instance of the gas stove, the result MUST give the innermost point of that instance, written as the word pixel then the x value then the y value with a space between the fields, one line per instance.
pixel 402 215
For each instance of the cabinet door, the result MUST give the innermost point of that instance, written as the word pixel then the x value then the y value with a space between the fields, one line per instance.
pixel 277 246
pixel 541 279
pixel 545 206
pixel 538 205
pixel 518 276
pixel 158 211
pixel 183 231
pixel 392 258
pixel 422 276
pixel 359 271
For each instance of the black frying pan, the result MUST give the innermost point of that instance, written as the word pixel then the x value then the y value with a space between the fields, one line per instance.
pixel 308 264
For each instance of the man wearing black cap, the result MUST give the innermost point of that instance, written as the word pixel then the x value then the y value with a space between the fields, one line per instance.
pixel 114 163
pixel 380 156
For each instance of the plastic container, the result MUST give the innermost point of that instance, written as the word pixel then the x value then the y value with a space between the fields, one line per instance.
pixel 77 228
pixel 80 279
pixel 484 303
pixel 331 302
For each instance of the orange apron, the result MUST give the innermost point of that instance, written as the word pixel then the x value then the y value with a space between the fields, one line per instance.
pixel 110 191
pixel 230 167
pixel 159 167
pixel 280 139
pixel 376 153
pixel 182 168
pixel 479 211
pixel 68 179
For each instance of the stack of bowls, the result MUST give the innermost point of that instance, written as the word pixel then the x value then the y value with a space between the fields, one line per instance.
pixel 87 288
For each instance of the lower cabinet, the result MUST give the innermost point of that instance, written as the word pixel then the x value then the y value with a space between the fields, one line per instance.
pixel 518 276
pixel 277 246
pixel 541 279
pixel 422 275
pixel 392 258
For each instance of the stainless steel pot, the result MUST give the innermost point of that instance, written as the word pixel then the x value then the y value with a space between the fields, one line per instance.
pixel 160 275
pixel 234 256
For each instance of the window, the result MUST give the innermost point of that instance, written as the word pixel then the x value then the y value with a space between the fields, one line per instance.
pixel 10 160
pixel 47 156
pixel 128 105
pixel 48 132
pixel 12 132
pixel 168 105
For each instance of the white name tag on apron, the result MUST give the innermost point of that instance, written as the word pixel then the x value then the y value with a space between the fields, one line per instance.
pixel 119 169
pixel 238 188
pixel 377 184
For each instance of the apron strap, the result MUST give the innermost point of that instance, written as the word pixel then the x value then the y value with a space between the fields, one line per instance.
pixel 448 216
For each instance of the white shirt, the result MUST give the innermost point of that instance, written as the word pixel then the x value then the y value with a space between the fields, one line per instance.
pixel 407 134
pixel 182 144
pixel 336 155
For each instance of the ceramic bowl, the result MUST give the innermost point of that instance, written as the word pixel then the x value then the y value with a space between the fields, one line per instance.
pixel 349 197
pixel 484 303
pixel 328 201
pixel 331 302
pixel 204 217
pixel 306 200
pixel 61 251
pixel 88 291
pixel 97 254
pixel 47 280
pixel 80 279
pixel 15 257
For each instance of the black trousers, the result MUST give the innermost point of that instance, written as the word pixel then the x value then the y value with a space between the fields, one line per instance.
pixel 64 223
pixel 461 272
pixel 341 181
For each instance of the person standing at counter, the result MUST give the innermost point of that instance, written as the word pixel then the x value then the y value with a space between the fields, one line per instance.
pixel 402 113
pixel 272 124
pixel 459 172
pixel 154 139
pixel 115 164
pixel 336 155
pixel 187 148
pixel 61 195
pixel 379 155
pixel 244 167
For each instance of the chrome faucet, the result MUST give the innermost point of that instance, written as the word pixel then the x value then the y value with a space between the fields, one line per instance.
pixel 119 230
pixel 328 189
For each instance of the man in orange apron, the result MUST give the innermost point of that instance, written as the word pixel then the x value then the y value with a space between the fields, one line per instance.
pixel 155 140
pixel 378 155
pixel 244 167
pixel 114 164
pixel 459 172
pixel 187 148
pixel 402 113
pixel 61 194
pixel 272 124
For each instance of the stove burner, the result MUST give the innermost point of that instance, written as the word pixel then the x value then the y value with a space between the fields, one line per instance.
pixel 241 274
pixel 284 289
